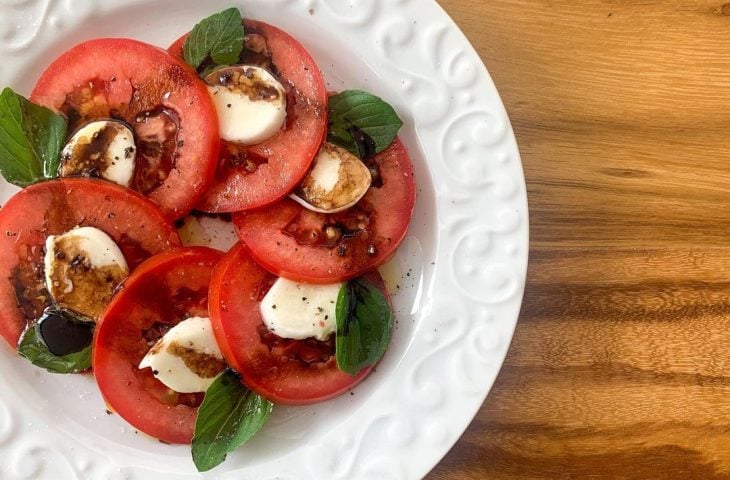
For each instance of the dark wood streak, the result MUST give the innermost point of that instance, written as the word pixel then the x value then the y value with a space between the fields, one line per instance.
pixel 610 373
pixel 645 301
pixel 631 464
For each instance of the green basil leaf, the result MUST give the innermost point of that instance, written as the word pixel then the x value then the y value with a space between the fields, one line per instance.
pixel 364 326
pixel 217 39
pixel 228 417
pixel 31 138
pixel 32 348
pixel 362 123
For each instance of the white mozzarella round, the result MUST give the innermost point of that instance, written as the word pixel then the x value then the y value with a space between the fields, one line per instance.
pixel 187 358
pixel 104 149
pixel 336 182
pixel 250 101
pixel 82 269
pixel 299 310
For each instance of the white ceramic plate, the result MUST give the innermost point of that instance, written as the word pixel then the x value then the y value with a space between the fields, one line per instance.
pixel 461 271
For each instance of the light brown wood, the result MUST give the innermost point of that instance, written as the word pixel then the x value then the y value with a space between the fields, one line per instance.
pixel 620 365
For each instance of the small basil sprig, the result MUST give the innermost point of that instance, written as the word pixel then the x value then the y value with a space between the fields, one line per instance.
pixel 364 326
pixel 228 417
pixel 216 40
pixel 33 347
pixel 31 139
pixel 362 123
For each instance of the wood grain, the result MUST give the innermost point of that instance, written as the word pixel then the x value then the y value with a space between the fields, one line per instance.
pixel 620 366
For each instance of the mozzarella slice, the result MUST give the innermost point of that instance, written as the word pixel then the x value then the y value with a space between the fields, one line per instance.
pixel 298 310
pixel 250 101
pixel 102 149
pixel 337 181
pixel 83 267
pixel 187 358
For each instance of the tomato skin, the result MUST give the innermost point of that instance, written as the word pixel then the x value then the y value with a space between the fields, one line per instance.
pixel 163 289
pixel 283 255
pixel 236 288
pixel 134 78
pixel 54 207
pixel 288 154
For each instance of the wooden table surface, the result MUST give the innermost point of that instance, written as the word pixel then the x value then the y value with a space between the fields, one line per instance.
pixel 620 365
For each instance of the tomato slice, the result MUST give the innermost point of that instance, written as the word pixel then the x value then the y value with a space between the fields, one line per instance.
pixel 158 96
pixel 293 372
pixel 55 207
pixel 259 175
pixel 161 293
pixel 293 242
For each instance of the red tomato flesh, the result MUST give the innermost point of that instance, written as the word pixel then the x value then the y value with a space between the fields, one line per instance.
pixel 254 176
pixel 294 372
pixel 53 208
pixel 164 291
pixel 293 242
pixel 159 97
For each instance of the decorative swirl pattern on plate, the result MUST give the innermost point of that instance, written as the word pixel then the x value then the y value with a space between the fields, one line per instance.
pixel 349 16
pixel 428 95
pixel 480 270
pixel 7 424
pixel 24 20
pixel 451 324
pixel 36 458
pixel 31 14
pixel 351 457
pixel 466 311
pixel 468 147
pixel 458 71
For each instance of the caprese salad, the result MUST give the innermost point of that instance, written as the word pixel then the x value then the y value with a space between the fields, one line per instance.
pixel 200 228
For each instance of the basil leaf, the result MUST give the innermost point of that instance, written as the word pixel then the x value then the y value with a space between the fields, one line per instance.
pixel 362 123
pixel 228 417
pixel 364 326
pixel 217 39
pixel 31 138
pixel 32 348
